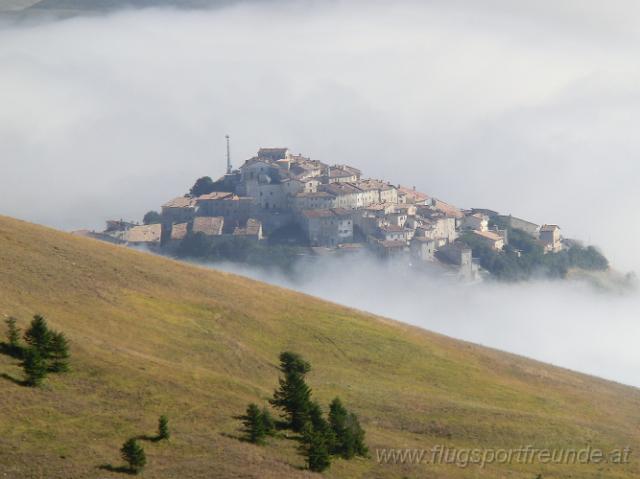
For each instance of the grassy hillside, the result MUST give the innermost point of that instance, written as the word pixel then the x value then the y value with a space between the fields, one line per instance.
pixel 151 336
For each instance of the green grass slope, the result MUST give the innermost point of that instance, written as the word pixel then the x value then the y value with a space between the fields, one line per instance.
pixel 151 336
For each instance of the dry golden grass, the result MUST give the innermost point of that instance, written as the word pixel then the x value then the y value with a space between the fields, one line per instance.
pixel 152 336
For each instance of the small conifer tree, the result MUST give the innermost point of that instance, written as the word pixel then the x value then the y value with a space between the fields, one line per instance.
pixel 163 427
pixel 357 436
pixel 268 422
pixel 58 353
pixel 253 422
pixel 133 454
pixel 349 435
pixel 34 366
pixel 38 336
pixel 293 396
pixel 315 449
pixel 13 333
pixel 320 424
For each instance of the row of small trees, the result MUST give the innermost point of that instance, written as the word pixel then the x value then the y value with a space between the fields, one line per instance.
pixel 321 438
pixel 133 453
pixel 45 350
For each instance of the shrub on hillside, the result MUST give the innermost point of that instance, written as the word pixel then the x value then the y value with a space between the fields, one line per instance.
pixel 58 353
pixel 163 427
pixel 12 347
pixel 46 349
pixel 254 426
pixel 35 367
pixel 349 435
pixel 13 332
pixel 315 448
pixel 133 454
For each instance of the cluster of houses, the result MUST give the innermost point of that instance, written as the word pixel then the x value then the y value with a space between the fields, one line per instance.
pixel 334 207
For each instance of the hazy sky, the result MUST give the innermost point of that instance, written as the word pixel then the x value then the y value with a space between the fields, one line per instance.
pixel 528 107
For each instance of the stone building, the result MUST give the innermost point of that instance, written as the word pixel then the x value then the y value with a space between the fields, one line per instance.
pixel 490 238
pixel 520 224
pixel 230 206
pixel 178 210
pixel 327 227
pixel 320 200
pixel 423 249
pixel 341 174
pixel 377 191
pixel 551 238
pixel 346 195
pixel 273 154
pixel 388 232
pixel 461 256
pixel 475 221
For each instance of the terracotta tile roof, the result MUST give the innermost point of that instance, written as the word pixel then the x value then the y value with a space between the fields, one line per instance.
pixel 216 195
pixel 180 202
pixel 413 194
pixel 549 228
pixel 209 225
pixel 490 235
pixel 340 189
pixel 371 184
pixel 144 234
pixel 339 173
pixel 447 209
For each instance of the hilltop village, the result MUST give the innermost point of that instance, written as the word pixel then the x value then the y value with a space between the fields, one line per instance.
pixel 278 194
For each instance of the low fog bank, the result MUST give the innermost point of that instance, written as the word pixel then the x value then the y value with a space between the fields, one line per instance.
pixel 566 323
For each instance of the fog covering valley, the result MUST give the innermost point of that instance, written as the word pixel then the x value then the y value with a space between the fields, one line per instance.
pixel 528 109
pixel 566 323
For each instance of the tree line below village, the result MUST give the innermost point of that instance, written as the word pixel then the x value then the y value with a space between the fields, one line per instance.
pixel 524 257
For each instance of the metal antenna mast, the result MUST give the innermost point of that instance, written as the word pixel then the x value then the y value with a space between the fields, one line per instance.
pixel 228 156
